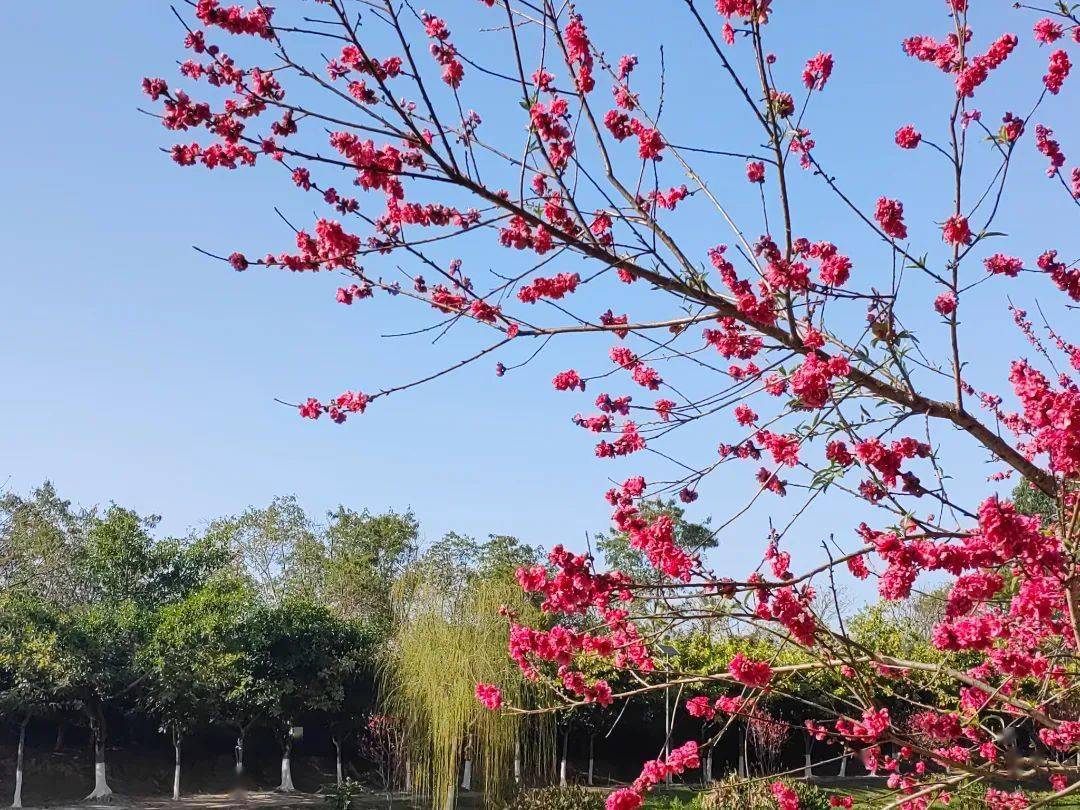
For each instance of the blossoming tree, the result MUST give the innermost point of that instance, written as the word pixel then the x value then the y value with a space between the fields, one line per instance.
pixel 803 364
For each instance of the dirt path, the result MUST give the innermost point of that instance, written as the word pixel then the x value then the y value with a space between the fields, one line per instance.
pixel 227 801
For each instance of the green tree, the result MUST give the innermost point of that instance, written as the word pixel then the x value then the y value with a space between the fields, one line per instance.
pixel 195 659
pixel 365 554
pixel 40 537
pixel 450 635
pixel 277 547
pixel 35 668
pixel 302 657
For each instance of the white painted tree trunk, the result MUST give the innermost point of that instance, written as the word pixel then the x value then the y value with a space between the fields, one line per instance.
pixel 592 760
pixel 408 776
pixel 562 762
pixel 843 765
pixel 101 785
pixel 466 775
pixel 337 759
pixel 450 801
pixel 706 768
pixel 286 785
pixel 517 767
pixel 176 771
pixel 808 767
pixel 17 801
pixel 742 766
pixel 239 751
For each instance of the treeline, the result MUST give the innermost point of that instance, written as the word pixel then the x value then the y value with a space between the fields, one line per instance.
pixel 270 620
pixel 264 619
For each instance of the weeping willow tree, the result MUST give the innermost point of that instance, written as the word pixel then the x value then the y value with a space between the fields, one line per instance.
pixel 450 637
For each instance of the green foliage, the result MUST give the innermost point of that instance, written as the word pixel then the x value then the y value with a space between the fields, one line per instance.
pixel 673 802
pixel 1030 500
pixel 756 794
pixel 36 668
pixel 365 554
pixel 301 657
pixel 450 637
pixel 619 554
pixel 277 547
pixel 195 658
pixel 570 797
pixel 39 539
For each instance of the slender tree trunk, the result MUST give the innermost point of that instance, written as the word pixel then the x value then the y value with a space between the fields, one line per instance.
pixel 238 750
pixel 743 769
pixel 592 740
pixel 17 801
pixel 565 753
pixel 450 800
pixel 58 746
pixel 808 766
pixel 101 784
pixel 517 763
pixel 466 775
pixel 176 767
pixel 337 757
pixel 408 776
pixel 286 785
pixel 706 768
pixel 843 765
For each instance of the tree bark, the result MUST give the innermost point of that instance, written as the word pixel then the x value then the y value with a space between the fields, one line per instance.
pixel 17 801
pixel 562 762
pixel 808 767
pixel 843 765
pixel 286 785
pixel 592 739
pixel 466 775
pixel 706 768
pixel 176 767
pixel 60 728
pixel 101 784
pixel 337 758
pixel 238 750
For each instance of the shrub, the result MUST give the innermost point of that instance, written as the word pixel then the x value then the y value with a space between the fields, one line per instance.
pixel 341 796
pixel 571 797
pixel 756 794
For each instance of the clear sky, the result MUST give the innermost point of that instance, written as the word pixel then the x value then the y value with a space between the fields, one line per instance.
pixel 137 370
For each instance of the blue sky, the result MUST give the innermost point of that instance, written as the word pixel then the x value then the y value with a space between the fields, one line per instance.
pixel 138 370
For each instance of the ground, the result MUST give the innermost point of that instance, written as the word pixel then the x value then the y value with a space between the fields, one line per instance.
pixel 867 797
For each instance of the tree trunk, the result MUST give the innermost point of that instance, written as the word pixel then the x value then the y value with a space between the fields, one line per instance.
pixel 408 776
pixel 286 785
pixel 101 785
pixel 17 801
pixel 466 775
pixel 517 763
pixel 808 767
pixel 337 758
pixel 592 739
pixel 450 800
pixel 58 746
pixel 706 768
pixel 176 767
pixel 562 762
pixel 743 770
pixel 843 765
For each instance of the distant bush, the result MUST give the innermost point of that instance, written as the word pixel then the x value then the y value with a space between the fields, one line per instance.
pixel 571 797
